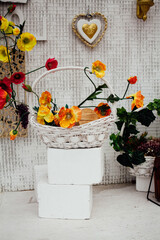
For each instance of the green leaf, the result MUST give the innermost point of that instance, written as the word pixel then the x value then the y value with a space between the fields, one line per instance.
pixel 122 114
pixel 100 87
pixel 119 125
pixel 132 129
pixel 116 142
pixel 112 98
pixel 138 157
pixel 145 117
pixel 35 108
pixel 125 160
pixel 94 95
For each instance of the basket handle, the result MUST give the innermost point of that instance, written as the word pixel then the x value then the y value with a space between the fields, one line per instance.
pixel 69 68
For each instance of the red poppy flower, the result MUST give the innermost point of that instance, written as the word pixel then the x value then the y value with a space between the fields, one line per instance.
pixel 17 77
pixel 11 8
pixel 132 80
pixel 27 87
pixel 51 63
pixel 5 85
pixel 3 98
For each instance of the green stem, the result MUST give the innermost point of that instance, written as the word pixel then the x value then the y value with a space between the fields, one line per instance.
pixel 102 98
pixel 11 71
pixel 6 14
pixel 126 90
pixel 89 77
pixel 36 96
pixel 55 105
pixel 86 99
pixel 87 106
pixel 34 70
pixel 7 52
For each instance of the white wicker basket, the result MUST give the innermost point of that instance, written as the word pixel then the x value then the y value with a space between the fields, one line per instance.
pixel 89 135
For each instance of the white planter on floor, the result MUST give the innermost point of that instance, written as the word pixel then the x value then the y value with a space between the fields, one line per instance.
pixel 143 173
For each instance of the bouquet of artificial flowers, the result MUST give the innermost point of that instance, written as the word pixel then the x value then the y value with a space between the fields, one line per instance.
pixel 14 43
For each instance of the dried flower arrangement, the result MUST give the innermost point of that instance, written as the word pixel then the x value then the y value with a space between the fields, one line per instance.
pixel 150 148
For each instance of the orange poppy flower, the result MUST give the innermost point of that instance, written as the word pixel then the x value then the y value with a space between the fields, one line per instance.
pixel 98 68
pixel 45 99
pixel 56 119
pixel 137 100
pixel 103 110
pixel 132 80
pixel 68 117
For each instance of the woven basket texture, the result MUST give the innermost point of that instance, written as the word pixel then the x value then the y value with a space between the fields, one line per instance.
pixel 129 47
pixel 89 135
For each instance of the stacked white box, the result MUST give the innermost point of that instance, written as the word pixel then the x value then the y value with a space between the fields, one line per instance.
pixel 63 188
pixel 40 172
pixel 64 201
pixel 75 166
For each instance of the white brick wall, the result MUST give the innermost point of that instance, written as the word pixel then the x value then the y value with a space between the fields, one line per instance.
pixel 129 47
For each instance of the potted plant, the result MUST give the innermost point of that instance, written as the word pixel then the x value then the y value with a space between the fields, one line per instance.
pixel 143 171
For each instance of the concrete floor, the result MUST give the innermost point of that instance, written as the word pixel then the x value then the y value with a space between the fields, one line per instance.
pixel 119 212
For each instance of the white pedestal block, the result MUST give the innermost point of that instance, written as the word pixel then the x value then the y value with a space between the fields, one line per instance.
pixel 142 184
pixel 75 166
pixel 64 201
pixel 40 172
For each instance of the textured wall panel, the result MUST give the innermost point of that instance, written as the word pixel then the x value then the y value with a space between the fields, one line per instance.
pixel 129 47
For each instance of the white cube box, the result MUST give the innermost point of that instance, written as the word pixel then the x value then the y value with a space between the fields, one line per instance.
pixel 75 166
pixel 142 183
pixel 40 172
pixel 64 201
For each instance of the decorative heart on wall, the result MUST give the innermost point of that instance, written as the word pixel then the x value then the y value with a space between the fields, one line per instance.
pixel 90 28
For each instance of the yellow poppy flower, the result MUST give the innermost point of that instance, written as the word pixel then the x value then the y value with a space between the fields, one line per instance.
pixel 40 120
pixel 9 30
pixel 49 117
pixel 3 54
pixel 26 42
pixel 98 68
pixel 16 31
pixel 4 24
pixel 44 113
pixel 137 100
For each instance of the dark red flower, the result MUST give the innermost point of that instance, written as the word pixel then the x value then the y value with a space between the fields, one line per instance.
pixel 23 112
pixel 11 8
pixel 3 98
pixel 5 85
pixel 51 63
pixel 17 77
pixel 0 18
